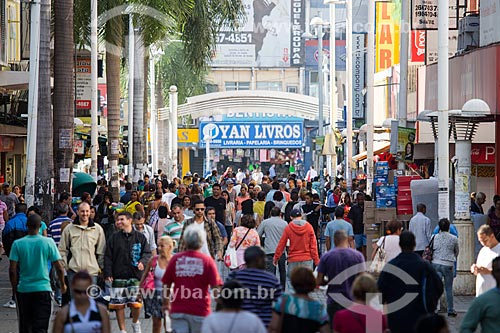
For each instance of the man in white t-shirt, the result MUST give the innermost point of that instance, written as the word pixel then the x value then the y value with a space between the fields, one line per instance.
pixel 483 266
pixel 170 195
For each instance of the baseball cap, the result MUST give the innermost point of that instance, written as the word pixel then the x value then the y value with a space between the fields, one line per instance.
pixel 229 181
pixel 295 213
pixel 5 185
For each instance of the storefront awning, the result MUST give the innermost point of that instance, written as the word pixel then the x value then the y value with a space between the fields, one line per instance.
pixel 378 148
pixel 14 80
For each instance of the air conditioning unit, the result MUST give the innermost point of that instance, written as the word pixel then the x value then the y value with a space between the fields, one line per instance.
pixel 468 33
pixel 468 24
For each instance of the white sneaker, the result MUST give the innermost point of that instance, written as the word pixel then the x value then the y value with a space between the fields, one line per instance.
pixel 10 304
pixel 137 327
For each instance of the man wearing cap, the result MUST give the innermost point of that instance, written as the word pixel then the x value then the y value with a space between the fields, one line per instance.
pixel 231 190
pixel 303 250
pixel 9 198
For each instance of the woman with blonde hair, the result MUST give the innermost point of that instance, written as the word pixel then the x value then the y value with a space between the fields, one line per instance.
pixel 152 286
pixel 354 318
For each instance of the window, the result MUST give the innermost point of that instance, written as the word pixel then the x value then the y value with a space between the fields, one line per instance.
pixel 291 89
pixel 233 86
pixel 269 85
pixel 211 88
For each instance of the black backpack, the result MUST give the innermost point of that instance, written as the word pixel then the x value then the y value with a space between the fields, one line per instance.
pixel 8 239
pixel 288 210
pixel 432 289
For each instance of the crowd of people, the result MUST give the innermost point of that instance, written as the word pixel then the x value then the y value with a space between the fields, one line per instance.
pixel 161 246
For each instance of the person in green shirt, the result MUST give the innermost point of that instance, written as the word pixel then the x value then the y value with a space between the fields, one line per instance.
pixel 30 256
pixel 485 309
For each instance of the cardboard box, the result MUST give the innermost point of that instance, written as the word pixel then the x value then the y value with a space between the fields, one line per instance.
pixel 384 191
pixel 385 214
pixel 388 202
pixel 382 172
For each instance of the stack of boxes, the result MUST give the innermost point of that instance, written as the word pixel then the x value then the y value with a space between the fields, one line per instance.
pixel 385 193
pixel 404 201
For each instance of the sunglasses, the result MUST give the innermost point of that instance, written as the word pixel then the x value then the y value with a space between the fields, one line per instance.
pixel 199 209
pixel 79 292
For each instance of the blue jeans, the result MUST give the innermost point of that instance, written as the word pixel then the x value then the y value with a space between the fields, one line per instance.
pixel 446 273
pixel 291 266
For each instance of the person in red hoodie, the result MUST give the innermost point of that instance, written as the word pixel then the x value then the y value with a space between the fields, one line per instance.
pixel 303 250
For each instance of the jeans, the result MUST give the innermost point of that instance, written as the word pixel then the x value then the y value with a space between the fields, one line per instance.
pixel 186 323
pixel 292 265
pixel 33 311
pixel 446 272
pixel 331 309
pixel 281 266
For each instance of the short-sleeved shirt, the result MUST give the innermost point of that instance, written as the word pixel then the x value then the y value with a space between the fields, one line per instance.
pixel 338 260
pixel 335 225
pixel 191 272
pixel 174 230
pixel 32 254
pixel 301 315
pixel 485 282
pixel 354 319
pixel 356 217
pixel 11 201
pixel 3 208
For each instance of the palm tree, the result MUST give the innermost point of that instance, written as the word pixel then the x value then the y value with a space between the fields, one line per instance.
pixel 140 148
pixel 44 172
pixel 63 91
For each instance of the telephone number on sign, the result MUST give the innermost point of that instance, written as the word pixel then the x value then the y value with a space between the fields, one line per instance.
pixel 425 14
pixel 234 38
pixel 426 7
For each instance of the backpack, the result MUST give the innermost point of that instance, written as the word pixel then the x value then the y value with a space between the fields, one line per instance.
pixel 8 239
pixel 432 289
pixel 288 210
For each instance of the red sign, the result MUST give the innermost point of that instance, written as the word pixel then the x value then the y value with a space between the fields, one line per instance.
pixel 483 153
pixel 6 143
pixel 82 104
pixel 417 45
pixel 103 92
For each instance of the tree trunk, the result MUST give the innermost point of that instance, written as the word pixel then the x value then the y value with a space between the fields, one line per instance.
pixel 138 127
pixel 44 153
pixel 63 94
pixel 114 31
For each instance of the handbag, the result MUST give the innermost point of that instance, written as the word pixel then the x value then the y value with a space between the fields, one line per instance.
pixel 378 262
pixel 230 257
pixel 149 280
pixel 429 250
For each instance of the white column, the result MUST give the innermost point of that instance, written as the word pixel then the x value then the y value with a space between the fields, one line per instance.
pixel 349 69
pixel 443 93
pixel 173 116
pixel 207 155
pixel 94 134
pixel 403 64
pixel 370 108
pixel 32 102
pixel 153 121
pixel 334 98
pixel 131 45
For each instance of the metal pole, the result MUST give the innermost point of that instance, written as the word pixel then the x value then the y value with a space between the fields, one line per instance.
pixel 94 141
pixel 370 111
pixel 349 71
pixel 320 104
pixel 131 59
pixel 153 122
pixel 443 147
pixel 32 102
pixel 333 86
pixel 207 155
pixel 173 117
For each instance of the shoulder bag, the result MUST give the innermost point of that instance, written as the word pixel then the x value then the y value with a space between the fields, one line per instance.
pixel 379 260
pixel 149 281
pixel 429 250
pixel 230 257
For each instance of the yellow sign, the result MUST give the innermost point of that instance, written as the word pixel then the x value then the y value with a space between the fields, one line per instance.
pixel 187 135
pixel 387 35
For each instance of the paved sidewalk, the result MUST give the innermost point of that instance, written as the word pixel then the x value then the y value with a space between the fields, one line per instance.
pixel 8 317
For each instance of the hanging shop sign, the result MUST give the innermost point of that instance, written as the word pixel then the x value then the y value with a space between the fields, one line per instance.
pixel 424 14
pixel 358 76
pixel 251 135
pixel 387 41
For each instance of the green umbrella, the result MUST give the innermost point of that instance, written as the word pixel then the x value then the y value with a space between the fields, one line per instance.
pixel 83 182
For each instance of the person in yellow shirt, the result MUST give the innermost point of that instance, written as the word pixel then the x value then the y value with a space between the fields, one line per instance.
pixel 134 205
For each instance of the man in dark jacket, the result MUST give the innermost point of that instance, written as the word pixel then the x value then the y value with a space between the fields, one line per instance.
pixel 127 254
pixel 401 285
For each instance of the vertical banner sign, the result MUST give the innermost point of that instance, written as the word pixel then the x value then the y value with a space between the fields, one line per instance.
pixel 269 36
pixel 418 45
pixel 387 43
pixel 298 27
pixel 83 83
pixel 358 75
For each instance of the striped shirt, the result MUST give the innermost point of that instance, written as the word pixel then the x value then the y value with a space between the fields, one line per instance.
pixel 174 230
pixel 54 230
pixel 262 289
